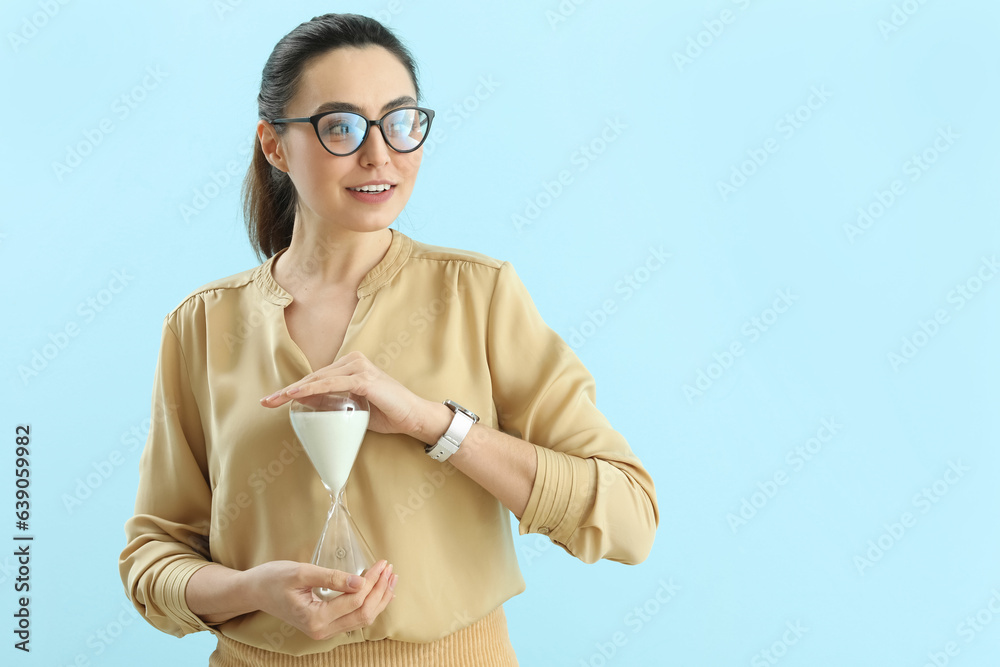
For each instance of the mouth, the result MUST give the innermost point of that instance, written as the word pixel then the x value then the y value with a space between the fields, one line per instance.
pixel 373 194
pixel 375 189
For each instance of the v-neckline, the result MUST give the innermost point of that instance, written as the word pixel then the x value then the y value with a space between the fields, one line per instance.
pixel 395 256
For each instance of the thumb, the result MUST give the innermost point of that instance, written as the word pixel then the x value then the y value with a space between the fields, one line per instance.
pixel 324 577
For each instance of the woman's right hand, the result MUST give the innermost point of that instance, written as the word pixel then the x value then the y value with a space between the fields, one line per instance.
pixel 283 588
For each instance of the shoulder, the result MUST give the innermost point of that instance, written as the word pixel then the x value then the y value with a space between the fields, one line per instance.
pixel 425 252
pixel 222 288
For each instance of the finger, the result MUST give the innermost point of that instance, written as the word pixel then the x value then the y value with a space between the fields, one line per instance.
pixel 314 576
pixel 389 595
pixel 370 577
pixel 375 602
pixel 300 389
pixel 364 607
pixel 379 596
pixel 324 385
pixel 282 395
pixel 353 363
pixel 313 385
pixel 342 613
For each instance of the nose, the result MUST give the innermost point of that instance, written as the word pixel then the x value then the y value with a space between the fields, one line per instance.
pixel 374 150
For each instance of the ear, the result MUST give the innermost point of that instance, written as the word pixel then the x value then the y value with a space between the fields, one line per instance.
pixel 270 144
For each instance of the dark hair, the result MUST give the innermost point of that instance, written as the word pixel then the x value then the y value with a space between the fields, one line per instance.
pixel 269 197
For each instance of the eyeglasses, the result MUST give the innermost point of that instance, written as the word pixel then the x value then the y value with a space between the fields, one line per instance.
pixel 343 132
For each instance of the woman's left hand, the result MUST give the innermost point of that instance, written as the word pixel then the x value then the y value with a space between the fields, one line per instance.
pixel 393 408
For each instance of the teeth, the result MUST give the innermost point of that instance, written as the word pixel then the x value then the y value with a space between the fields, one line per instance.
pixel 372 188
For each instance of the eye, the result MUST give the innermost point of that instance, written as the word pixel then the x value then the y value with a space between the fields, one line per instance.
pixel 339 126
pixel 338 129
pixel 399 127
pixel 401 122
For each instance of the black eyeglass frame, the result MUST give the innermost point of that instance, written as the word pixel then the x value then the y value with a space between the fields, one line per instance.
pixel 314 120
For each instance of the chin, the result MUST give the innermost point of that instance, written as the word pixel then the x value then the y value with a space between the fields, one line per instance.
pixel 370 220
pixel 369 223
pixel 359 217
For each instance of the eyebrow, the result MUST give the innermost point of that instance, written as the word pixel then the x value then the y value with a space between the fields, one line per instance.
pixel 347 106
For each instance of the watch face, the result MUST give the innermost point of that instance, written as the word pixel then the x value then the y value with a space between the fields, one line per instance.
pixel 455 406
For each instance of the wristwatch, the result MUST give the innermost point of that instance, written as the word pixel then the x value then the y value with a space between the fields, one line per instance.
pixel 449 443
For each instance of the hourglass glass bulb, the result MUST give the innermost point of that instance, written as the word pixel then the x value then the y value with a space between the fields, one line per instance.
pixel 331 439
pixel 331 428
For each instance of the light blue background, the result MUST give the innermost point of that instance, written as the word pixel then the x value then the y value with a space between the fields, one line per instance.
pixel 687 126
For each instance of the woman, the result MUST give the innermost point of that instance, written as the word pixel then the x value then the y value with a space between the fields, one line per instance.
pixel 229 510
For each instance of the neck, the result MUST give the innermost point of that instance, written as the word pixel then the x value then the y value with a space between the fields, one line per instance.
pixel 330 257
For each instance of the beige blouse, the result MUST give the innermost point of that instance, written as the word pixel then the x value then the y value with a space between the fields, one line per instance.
pixel 225 480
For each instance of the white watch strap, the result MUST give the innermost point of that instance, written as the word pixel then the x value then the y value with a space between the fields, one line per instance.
pixel 449 443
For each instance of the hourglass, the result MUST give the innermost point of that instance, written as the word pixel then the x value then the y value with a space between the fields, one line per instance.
pixel 331 428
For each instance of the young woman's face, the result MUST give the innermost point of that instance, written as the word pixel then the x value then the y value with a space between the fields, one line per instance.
pixel 368 78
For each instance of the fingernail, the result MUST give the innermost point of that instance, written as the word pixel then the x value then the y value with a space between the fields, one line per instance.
pixel 354 581
pixel 292 390
pixel 392 582
pixel 388 572
pixel 271 397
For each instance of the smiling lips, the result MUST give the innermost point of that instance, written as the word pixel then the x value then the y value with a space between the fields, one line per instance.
pixel 381 187
pixel 373 193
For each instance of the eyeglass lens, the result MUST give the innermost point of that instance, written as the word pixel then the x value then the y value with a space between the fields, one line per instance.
pixel 342 132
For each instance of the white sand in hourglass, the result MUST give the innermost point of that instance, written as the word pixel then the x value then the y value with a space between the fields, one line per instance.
pixel 332 440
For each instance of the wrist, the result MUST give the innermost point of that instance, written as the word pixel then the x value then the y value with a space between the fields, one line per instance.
pixel 434 422
pixel 216 593
pixel 250 584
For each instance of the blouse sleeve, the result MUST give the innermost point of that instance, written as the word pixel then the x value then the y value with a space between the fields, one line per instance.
pixel 591 494
pixel 167 538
